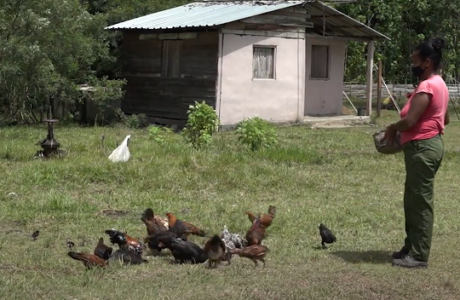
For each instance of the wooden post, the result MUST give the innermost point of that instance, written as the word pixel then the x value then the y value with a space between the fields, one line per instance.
pixel 369 77
pixel 379 88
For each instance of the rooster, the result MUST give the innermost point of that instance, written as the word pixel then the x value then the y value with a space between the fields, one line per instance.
pixel 215 249
pixel 102 250
pixel 255 253
pixel 125 253
pixel 88 260
pixel 184 251
pixel 131 243
pixel 153 223
pixel 183 228
pixel 232 240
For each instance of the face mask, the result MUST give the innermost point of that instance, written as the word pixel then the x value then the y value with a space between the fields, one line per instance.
pixel 417 71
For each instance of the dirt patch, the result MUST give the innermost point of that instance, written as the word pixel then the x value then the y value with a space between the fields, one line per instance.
pixel 112 213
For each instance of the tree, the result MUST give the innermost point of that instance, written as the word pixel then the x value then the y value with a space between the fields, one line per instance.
pixel 46 49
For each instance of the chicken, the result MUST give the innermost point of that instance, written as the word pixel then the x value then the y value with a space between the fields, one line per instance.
pixel 128 257
pixel 125 253
pixel 251 216
pixel 254 253
pixel 153 223
pixel 215 250
pixel 121 153
pixel 131 243
pixel 326 235
pixel 89 260
pixel 70 244
pixel 183 228
pixel 102 250
pixel 184 251
pixel 35 235
pixel 232 240
pixel 265 219
pixel 153 241
pixel 256 233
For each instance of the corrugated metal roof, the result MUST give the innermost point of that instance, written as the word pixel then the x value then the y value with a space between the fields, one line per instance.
pixel 208 14
pixel 202 14
pixel 338 23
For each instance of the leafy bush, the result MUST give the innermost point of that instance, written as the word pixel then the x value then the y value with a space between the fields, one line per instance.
pixel 202 122
pixel 160 134
pixel 256 133
pixel 136 121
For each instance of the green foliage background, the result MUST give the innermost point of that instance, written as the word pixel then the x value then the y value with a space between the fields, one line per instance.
pixel 50 47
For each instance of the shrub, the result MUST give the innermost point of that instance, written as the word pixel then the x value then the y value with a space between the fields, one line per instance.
pixel 202 122
pixel 256 133
pixel 136 121
pixel 160 134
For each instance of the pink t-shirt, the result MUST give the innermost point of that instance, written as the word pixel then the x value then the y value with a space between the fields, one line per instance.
pixel 431 123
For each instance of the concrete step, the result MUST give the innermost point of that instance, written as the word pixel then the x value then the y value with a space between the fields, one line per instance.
pixel 342 121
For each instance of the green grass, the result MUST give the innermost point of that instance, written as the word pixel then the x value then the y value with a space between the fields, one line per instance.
pixel 331 176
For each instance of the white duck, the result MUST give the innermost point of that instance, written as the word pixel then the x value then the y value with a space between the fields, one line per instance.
pixel 121 153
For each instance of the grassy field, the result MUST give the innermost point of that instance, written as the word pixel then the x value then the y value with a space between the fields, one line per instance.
pixel 312 176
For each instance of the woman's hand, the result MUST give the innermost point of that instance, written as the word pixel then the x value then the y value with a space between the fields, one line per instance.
pixel 390 134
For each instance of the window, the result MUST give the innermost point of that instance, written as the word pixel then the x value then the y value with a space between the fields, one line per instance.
pixel 170 62
pixel 263 62
pixel 319 62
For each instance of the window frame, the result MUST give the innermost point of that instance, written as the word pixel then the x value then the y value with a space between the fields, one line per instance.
pixel 328 60
pixel 164 65
pixel 274 48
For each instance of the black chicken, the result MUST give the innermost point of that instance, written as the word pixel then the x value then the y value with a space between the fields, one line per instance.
pixel 153 241
pixel 184 251
pixel 124 254
pixel 102 250
pixel 327 237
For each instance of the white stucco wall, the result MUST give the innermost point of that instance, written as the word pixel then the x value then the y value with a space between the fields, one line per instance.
pixel 324 97
pixel 275 100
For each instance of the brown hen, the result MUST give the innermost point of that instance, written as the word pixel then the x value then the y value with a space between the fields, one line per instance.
pixel 215 249
pixel 256 233
pixel 154 224
pixel 182 228
pixel 88 260
pixel 265 219
pixel 255 253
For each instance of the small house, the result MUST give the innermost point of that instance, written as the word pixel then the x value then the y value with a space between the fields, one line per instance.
pixel 279 60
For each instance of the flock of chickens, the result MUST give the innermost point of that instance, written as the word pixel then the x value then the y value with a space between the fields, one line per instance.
pixel 173 234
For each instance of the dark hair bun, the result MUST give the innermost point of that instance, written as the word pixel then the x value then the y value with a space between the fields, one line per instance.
pixel 438 43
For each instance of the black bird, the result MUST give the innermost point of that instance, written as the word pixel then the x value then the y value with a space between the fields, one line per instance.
pixel 35 235
pixel 161 240
pixel 184 251
pixel 128 257
pixel 326 235
pixel 102 250
pixel 124 253
pixel 70 244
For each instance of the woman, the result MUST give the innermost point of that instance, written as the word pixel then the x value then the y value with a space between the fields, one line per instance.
pixel 422 122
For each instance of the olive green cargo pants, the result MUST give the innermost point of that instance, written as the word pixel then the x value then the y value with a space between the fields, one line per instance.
pixel 423 159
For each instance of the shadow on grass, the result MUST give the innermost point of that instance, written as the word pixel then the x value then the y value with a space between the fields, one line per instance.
pixel 356 257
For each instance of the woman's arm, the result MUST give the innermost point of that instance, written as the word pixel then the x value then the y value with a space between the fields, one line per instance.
pixel 417 107
pixel 446 117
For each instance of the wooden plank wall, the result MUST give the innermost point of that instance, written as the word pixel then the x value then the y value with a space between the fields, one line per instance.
pixel 169 98
pixel 289 21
